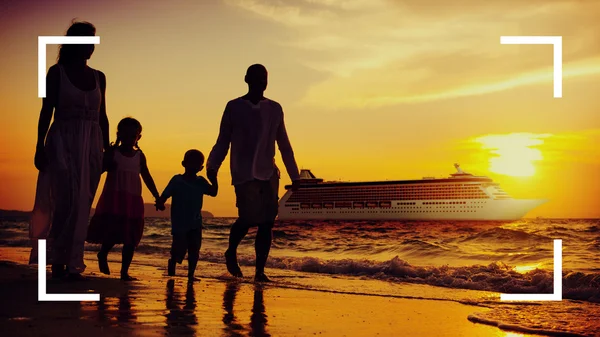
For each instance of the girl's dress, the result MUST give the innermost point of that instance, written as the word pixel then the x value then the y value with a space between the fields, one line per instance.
pixel 66 188
pixel 119 216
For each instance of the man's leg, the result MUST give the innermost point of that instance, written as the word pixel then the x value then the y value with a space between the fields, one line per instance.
pixel 239 229
pixel 246 196
pixel 264 235
pixel 262 247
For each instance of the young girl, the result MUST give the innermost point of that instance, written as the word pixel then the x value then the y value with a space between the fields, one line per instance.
pixel 119 216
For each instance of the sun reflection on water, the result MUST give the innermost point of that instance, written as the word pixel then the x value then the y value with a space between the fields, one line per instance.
pixel 527 268
pixel 512 334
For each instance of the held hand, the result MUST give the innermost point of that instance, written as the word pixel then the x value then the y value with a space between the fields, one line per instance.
pixel 160 206
pixel 40 160
pixel 295 185
pixel 211 175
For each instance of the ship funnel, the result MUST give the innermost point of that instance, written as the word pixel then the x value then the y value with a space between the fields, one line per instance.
pixel 306 174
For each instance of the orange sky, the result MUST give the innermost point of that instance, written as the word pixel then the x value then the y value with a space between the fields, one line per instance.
pixel 372 89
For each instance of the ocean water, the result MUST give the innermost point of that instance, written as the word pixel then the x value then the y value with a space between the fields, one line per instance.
pixel 468 262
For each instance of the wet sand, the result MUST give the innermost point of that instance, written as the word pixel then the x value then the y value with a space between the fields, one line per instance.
pixel 158 305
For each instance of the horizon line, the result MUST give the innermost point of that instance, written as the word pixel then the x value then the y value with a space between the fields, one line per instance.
pixel 524 218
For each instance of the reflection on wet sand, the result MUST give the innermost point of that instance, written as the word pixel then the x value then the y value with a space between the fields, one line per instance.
pixel 133 309
pixel 118 305
pixel 258 318
pixel 115 311
pixel 232 327
pixel 180 321
pixel 227 309
pixel 126 314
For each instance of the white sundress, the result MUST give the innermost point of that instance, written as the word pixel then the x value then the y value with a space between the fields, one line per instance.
pixel 66 189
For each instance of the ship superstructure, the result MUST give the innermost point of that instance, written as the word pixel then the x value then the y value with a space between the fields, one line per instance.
pixel 462 196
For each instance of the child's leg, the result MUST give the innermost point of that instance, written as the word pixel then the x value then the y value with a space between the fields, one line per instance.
pixel 127 257
pixel 194 242
pixel 178 248
pixel 103 258
pixel 171 264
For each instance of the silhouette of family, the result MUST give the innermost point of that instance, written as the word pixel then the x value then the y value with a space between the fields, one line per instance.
pixel 74 151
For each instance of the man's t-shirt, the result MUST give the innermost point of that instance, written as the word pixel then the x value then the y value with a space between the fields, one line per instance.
pixel 186 206
pixel 252 131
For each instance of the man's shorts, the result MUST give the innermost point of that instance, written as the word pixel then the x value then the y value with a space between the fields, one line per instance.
pixel 189 242
pixel 258 201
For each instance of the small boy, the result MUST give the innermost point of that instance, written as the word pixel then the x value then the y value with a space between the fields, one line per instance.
pixel 187 190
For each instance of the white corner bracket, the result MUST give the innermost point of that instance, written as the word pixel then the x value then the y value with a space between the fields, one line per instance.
pixel 556 41
pixel 42 42
pixel 557 294
pixel 42 295
pixel 46 40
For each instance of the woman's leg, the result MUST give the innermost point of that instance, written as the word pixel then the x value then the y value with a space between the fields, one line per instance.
pixel 103 258
pixel 62 226
pixel 58 270
pixel 62 218
pixel 127 257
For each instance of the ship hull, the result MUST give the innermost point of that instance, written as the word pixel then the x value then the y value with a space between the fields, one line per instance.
pixel 471 210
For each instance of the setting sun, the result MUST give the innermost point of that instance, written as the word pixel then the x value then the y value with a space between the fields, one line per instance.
pixel 513 154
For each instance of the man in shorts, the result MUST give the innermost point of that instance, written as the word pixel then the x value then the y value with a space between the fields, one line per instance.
pixel 252 124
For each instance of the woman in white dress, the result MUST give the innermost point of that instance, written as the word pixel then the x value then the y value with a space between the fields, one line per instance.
pixel 69 155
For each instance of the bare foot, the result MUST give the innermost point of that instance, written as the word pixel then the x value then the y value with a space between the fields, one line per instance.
pixel 232 266
pixel 126 277
pixel 261 277
pixel 192 279
pixel 75 277
pixel 58 271
pixel 103 264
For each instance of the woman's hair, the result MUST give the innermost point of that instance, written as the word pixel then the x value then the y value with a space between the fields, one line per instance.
pixel 127 123
pixel 67 52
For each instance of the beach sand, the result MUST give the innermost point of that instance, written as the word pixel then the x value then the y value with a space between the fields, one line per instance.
pixel 158 305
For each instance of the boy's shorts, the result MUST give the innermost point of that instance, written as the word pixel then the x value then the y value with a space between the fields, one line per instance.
pixel 189 242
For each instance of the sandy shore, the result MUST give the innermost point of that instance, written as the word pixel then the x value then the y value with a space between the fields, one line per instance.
pixel 161 306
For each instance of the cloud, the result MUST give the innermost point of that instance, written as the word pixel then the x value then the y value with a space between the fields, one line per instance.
pixel 286 14
pixel 591 67
pixel 382 52
pixel 574 146
pixel 577 147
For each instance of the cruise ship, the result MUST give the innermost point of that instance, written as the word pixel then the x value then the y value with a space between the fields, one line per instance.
pixel 462 196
